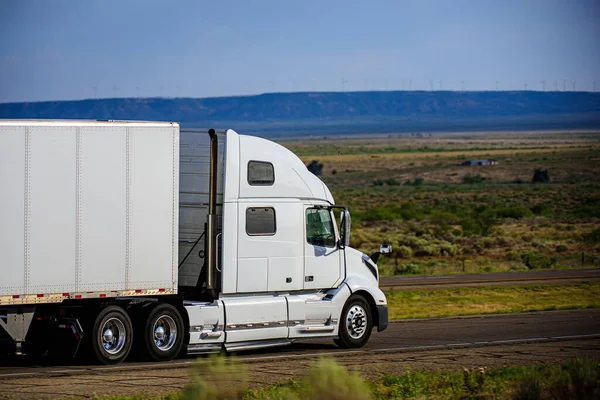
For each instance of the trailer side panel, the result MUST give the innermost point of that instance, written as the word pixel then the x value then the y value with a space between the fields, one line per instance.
pixel 89 209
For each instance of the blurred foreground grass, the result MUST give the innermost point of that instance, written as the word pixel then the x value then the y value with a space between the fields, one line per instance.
pixel 226 378
pixel 490 300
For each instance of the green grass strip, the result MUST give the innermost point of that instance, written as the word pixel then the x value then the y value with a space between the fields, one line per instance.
pixel 491 300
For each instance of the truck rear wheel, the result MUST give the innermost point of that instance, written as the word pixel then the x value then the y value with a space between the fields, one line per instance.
pixel 163 333
pixel 356 323
pixel 112 335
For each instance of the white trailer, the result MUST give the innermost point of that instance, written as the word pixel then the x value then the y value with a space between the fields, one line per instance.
pixel 119 235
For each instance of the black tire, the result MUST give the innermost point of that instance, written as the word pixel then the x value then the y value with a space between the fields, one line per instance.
pixel 111 336
pixel 162 334
pixel 356 323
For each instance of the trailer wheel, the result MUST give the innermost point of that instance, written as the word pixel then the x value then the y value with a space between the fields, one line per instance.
pixel 163 333
pixel 112 335
pixel 356 323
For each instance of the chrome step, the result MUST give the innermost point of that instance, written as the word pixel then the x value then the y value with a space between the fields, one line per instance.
pixel 324 328
pixel 256 344
pixel 204 348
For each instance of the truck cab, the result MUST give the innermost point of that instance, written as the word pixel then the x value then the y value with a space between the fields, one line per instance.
pixel 283 268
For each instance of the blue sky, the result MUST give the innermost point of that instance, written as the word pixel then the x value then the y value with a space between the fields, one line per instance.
pixel 58 50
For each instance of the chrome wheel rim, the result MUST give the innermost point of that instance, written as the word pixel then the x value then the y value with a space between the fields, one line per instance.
pixel 356 321
pixel 113 335
pixel 165 332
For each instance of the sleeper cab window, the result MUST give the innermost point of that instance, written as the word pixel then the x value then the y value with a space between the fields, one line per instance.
pixel 260 173
pixel 260 221
pixel 319 227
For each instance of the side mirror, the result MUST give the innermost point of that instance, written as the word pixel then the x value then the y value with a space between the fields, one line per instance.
pixel 385 249
pixel 345 228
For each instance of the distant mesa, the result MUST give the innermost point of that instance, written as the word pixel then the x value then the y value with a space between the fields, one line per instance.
pixel 281 114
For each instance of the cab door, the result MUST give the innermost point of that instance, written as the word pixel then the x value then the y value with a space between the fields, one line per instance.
pixel 322 257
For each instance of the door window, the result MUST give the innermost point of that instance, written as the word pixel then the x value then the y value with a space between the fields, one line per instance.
pixel 260 221
pixel 319 227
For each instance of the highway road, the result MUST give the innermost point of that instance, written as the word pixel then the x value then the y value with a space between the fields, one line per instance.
pixel 431 344
pixel 489 279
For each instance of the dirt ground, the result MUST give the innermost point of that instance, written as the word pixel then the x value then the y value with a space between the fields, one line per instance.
pixel 164 379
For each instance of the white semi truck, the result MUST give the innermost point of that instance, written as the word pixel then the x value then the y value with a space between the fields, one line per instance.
pixel 133 235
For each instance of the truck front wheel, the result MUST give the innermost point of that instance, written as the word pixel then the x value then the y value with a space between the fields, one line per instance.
pixel 162 337
pixel 112 335
pixel 356 323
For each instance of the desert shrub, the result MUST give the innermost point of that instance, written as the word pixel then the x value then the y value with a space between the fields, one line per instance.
pixel 473 178
pixel 415 182
pixel 473 382
pixel 512 255
pixel 561 248
pixel 417 227
pixel 469 226
pixel 443 222
pixel 217 378
pixel 585 378
pixel 406 386
pixel 410 211
pixel 540 176
pixel 502 242
pixel 448 249
pixel 586 211
pixel 514 212
pixel 560 388
pixel 327 379
pixel 542 209
pixel 479 222
pixel 592 237
pixel 388 181
pixel 427 250
pixel 380 213
pixel 577 379
pixel 315 167
pixel 529 387
pixel 403 252
pixel 527 237
pixel 408 269
pixel 535 260
pixel 487 243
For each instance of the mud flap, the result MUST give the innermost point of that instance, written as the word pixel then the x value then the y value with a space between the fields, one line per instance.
pixel 382 312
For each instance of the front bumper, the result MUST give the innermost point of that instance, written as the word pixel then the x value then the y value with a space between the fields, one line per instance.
pixel 382 313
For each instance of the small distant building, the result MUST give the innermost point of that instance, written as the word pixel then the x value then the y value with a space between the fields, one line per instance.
pixel 470 163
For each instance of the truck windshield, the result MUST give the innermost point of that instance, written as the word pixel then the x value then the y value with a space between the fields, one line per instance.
pixel 319 227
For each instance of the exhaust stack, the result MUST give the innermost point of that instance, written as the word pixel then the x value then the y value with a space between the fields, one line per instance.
pixel 211 219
